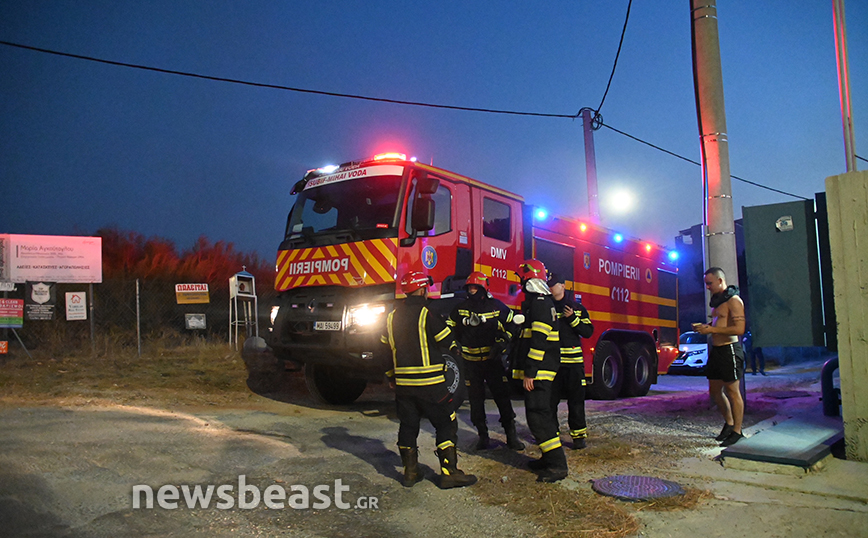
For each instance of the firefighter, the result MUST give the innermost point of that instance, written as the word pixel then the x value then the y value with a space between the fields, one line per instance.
pixel 483 325
pixel 413 334
pixel 573 325
pixel 536 363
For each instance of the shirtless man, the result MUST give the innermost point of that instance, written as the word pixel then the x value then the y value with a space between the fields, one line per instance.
pixel 725 366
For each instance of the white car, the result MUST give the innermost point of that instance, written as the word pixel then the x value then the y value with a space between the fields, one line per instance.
pixel 692 356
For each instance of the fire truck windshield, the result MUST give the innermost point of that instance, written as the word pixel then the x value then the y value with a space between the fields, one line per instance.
pixel 365 208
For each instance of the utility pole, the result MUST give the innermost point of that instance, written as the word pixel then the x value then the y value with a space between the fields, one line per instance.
pixel 718 226
pixel 591 165
pixel 844 83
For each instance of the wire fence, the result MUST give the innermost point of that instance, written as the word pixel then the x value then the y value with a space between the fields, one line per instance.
pixel 131 314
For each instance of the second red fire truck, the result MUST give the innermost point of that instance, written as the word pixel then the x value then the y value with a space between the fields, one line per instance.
pixel 355 229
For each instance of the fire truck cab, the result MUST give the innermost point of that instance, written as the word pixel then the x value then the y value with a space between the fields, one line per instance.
pixel 355 229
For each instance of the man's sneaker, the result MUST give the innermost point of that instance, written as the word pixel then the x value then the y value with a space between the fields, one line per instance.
pixel 724 433
pixel 732 439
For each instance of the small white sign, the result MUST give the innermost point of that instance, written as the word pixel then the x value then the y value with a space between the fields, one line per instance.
pixel 76 305
pixel 7 286
pixel 195 321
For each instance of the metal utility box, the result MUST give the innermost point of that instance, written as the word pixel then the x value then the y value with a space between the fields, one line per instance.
pixel 785 306
pixel 243 306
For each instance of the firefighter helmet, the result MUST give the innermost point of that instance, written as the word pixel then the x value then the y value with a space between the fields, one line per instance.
pixel 414 280
pixel 478 278
pixel 532 268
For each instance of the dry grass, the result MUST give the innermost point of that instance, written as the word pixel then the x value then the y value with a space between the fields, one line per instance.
pixel 196 373
pixel 573 508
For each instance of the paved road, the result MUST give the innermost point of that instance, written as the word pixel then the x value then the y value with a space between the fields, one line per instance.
pixel 72 472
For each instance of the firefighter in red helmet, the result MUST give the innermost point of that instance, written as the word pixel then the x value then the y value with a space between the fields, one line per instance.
pixel 413 335
pixel 482 326
pixel 536 362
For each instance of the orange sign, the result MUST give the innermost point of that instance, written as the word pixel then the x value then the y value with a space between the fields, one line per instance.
pixel 4 347
pixel 192 293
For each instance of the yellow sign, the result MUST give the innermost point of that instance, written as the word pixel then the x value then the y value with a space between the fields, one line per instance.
pixel 192 293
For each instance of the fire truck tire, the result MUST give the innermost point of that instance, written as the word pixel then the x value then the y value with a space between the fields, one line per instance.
pixel 637 370
pixel 328 385
pixel 455 380
pixel 608 372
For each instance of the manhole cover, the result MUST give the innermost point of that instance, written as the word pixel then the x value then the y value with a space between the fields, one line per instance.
pixel 636 488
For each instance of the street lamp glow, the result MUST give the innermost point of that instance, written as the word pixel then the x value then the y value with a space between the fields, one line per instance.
pixel 621 201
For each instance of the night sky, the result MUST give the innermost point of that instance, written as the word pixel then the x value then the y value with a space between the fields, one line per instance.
pixel 87 145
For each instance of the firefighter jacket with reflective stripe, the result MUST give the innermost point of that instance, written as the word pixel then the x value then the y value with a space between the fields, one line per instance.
pixel 538 353
pixel 572 329
pixel 416 337
pixel 481 327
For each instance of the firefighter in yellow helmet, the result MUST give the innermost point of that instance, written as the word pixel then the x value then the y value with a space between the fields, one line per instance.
pixel 415 337
pixel 536 362
pixel 482 326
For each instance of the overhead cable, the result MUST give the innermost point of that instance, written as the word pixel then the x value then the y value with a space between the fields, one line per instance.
pixel 376 99
pixel 617 54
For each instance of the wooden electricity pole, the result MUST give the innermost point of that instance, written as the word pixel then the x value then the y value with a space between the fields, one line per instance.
pixel 719 229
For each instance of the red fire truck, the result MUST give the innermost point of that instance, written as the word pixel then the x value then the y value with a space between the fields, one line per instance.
pixel 355 229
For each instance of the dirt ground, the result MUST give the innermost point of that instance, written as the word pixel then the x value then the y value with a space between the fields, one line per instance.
pixel 79 433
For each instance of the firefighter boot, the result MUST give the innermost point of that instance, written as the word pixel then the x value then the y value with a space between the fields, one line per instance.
pixel 484 441
pixel 556 468
pixel 512 440
pixel 410 460
pixel 450 475
pixel 541 464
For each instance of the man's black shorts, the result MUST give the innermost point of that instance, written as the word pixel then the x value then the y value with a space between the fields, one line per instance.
pixel 725 363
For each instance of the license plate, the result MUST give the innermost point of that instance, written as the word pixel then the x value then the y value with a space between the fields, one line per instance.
pixel 326 325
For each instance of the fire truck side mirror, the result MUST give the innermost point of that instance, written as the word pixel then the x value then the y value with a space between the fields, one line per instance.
pixel 424 184
pixel 298 187
pixel 423 214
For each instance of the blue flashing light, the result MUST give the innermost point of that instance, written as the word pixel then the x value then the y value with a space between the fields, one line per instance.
pixel 541 214
pixel 673 255
pixel 618 238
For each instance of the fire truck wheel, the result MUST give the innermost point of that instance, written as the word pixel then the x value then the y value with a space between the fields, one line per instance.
pixel 328 385
pixel 608 372
pixel 637 370
pixel 455 380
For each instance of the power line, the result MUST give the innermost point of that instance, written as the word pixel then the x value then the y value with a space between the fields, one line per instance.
pixel 700 164
pixel 862 158
pixel 376 99
pixel 617 54
pixel 280 87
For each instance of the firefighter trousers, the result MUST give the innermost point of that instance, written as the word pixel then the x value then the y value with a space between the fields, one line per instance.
pixel 411 409
pixel 491 372
pixel 541 421
pixel 571 380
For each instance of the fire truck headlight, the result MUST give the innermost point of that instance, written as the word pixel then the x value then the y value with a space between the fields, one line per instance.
pixel 365 315
pixel 274 310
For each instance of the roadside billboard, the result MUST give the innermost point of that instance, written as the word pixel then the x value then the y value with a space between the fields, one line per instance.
pixel 50 258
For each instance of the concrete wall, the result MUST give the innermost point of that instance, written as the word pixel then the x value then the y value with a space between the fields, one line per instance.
pixel 847 198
